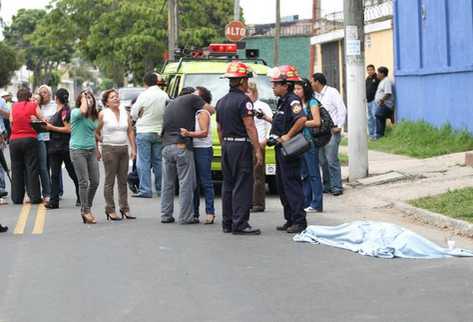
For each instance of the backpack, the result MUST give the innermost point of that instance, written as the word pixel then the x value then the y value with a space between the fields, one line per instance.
pixel 322 135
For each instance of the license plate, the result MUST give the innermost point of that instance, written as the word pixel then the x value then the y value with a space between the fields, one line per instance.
pixel 270 169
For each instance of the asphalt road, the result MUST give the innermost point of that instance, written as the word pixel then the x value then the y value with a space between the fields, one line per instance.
pixel 59 269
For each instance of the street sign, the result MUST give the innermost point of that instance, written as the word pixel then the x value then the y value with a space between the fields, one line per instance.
pixel 235 31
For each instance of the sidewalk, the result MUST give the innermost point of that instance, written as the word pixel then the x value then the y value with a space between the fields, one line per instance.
pixel 388 201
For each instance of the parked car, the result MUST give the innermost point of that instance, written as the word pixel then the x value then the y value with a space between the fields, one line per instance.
pixel 128 94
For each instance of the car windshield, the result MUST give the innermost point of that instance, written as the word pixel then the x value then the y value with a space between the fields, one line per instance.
pixel 128 94
pixel 219 87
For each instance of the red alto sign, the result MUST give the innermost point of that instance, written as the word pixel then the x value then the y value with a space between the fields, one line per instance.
pixel 235 31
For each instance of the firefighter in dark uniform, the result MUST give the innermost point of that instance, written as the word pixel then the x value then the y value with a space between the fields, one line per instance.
pixel 238 137
pixel 288 121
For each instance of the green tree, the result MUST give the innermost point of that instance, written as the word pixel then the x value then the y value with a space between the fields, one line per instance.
pixel 9 64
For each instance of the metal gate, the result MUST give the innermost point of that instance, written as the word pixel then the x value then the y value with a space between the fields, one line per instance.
pixel 331 63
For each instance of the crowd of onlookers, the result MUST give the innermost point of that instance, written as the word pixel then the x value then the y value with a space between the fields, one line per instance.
pixel 44 133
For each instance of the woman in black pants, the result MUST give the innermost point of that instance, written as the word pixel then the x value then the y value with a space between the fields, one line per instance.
pixel 58 147
pixel 24 149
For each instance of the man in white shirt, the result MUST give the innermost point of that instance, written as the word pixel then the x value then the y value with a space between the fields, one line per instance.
pixel 4 114
pixel 263 121
pixel 332 101
pixel 148 113
pixel 384 101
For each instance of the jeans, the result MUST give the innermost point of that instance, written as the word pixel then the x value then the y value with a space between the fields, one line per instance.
pixel 55 161
pixel 382 114
pixel 44 169
pixel 372 119
pixel 115 163
pixel 311 180
pixel 331 171
pixel 178 162
pixel 3 186
pixel 24 168
pixel 203 163
pixel 149 156
pixel 87 171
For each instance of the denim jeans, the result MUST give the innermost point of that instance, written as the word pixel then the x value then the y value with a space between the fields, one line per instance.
pixel 3 186
pixel 331 171
pixel 311 180
pixel 44 169
pixel 382 114
pixel 372 119
pixel 149 156
pixel 203 163
pixel 178 162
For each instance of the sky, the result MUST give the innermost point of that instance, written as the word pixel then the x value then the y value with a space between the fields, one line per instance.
pixel 255 11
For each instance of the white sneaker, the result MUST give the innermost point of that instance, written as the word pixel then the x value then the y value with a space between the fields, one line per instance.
pixel 310 209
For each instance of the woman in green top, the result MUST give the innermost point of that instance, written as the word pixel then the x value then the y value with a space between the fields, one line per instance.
pixel 84 152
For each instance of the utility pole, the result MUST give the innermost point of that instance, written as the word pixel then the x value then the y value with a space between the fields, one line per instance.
pixel 236 10
pixel 172 28
pixel 277 33
pixel 356 91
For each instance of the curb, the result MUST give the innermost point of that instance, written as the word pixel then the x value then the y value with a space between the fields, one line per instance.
pixel 459 226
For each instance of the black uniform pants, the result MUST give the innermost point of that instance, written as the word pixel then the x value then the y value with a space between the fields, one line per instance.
pixel 55 162
pixel 25 170
pixel 237 189
pixel 288 176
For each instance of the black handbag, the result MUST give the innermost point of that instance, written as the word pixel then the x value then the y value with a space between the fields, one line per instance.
pixel 322 135
pixel 295 147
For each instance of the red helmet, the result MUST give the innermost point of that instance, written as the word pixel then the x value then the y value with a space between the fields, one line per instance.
pixel 238 69
pixel 284 73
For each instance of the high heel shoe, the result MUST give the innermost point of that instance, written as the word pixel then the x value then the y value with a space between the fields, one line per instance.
pixel 209 221
pixel 88 219
pixel 126 215
pixel 113 218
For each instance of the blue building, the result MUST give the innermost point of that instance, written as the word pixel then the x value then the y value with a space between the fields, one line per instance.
pixel 433 43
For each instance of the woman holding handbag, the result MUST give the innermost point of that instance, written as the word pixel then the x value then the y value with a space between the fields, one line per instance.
pixel 310 172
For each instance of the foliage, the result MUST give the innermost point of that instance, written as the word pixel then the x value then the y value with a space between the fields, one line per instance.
pixel 9 64
pixel 105 84
pixel 455 203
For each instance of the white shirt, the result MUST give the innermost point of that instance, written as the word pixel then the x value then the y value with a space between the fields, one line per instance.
pixel 3 107
pixel 47 111
pixel 115 132
pixel 385 87
pixel 202 142
pixel 153 101
pixel 262 127
pixel 332 101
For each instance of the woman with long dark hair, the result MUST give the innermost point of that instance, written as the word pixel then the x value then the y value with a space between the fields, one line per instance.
pixel 58 147
pixel 311 180
pixel 84 152
pixel 24 149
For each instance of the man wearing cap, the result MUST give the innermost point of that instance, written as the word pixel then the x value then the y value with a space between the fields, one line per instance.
pixel 288 121
pixel 238 137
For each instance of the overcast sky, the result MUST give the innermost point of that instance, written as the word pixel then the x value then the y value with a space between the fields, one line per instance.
pixel 255 11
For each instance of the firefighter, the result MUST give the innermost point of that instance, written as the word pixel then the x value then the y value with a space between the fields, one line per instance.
pixel 238 137
pixel 288 121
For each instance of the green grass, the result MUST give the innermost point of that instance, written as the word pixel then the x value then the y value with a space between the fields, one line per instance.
pixel 422 140
pixel 343 159
pixel 457 204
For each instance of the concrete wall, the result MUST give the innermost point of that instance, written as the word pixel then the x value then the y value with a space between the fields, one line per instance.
pixel 379 49
pixel 434 61
pixel 294 50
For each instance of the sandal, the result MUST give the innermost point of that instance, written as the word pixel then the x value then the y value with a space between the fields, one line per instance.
pixel 210 219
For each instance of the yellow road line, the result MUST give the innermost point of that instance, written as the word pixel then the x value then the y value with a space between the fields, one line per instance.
pixel 22 219
pixel 40 219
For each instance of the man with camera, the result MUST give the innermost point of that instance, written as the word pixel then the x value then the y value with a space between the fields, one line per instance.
pixel 288 121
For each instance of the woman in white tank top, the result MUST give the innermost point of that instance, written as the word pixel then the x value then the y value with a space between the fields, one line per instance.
pixel 116 132
pixel 203 154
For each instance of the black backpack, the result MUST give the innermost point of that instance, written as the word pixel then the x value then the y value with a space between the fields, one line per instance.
pixel 322 135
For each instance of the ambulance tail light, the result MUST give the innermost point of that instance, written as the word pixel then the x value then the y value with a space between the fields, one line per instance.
pixel 222 49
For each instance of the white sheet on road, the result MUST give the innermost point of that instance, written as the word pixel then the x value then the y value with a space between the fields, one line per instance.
pixel 378 239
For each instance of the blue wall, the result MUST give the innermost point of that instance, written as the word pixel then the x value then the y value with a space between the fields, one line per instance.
pixel 433 41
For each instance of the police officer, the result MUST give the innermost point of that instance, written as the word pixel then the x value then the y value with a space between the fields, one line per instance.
pixel 238 137
pixel 288 121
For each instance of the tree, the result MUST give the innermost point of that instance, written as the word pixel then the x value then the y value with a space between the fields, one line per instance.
pixel 9 64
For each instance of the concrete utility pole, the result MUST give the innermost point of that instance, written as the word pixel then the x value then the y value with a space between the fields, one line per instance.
pixel 172 28
pixel 277 33
pixel 356 91
pixel 236 10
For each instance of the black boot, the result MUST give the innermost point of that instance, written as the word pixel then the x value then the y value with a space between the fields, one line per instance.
pixel 3 229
